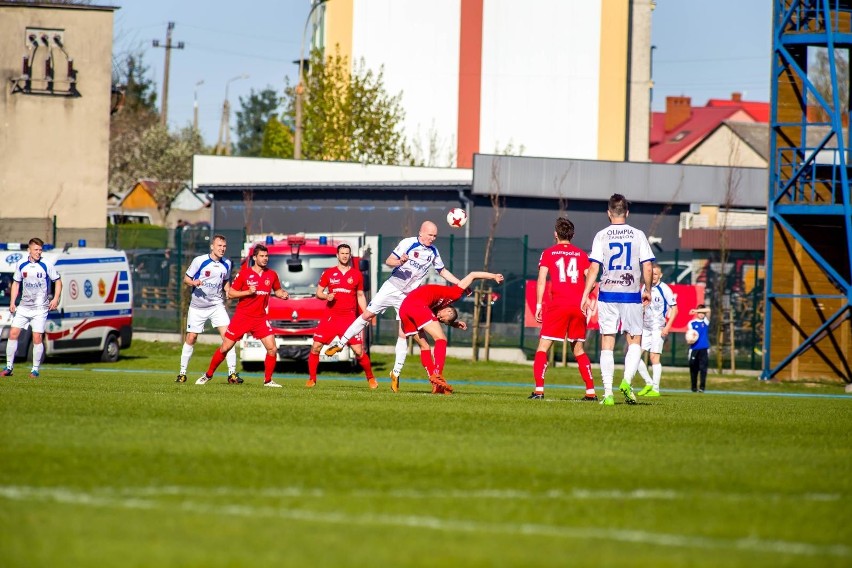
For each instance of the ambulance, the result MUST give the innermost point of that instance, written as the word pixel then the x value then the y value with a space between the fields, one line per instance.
pixel 95 309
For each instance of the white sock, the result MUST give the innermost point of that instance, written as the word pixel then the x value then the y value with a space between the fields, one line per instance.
pixel 38 355
pixel 607 371
pixel 231 360
pixel 643 371
pixel 354 329
pixel 657 369
pixel 185 356
pixel 401 351
pixel 11 348
pixel 631 361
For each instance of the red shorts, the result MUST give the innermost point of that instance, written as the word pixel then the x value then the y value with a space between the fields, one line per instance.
pixel 558 320
pixel 238 327
pixel 334 326
pixel 414 316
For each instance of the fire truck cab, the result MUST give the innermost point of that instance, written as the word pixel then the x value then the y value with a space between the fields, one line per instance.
pixel 299 260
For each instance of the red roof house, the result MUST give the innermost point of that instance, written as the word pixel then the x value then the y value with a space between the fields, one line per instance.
pixel 682 127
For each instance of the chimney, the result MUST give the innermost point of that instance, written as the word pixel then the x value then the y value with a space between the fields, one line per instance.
pixel 737 97
pixel 678 111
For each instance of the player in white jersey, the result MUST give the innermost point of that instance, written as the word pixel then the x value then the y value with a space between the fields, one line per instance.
pixel 623 257
pixel 32 278
pixel 209 277
pixel 411 260
pixel 659 317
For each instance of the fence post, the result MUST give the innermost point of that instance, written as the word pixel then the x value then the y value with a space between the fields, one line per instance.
pixel 452 255
pixel 477 298
pixel 54 231
pixel 524 292
pixel 377 260
pixel 674 335
pixel 754 301
pixel 178 259
pixel 488 295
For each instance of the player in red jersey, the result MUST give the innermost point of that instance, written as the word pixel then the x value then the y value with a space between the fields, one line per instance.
pixel 342 287
pixel 559 313
pixel 426 308
pixel 252 286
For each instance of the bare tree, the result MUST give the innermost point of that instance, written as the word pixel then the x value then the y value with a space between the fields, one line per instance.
pixel 248 208
pixel 557 189
pixel 720 287
pixel 439 154
pixel 821 77
pixel 483 299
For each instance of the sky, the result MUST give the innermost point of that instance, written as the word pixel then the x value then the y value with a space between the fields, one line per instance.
pixel 702 50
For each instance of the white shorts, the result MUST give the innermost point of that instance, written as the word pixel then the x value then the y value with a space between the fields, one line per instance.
pixel 614 318
pixel 652 341
pixel 197 317
pixel 27 317
pixel 388 296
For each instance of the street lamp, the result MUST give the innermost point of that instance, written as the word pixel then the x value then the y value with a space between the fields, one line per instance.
pixel 300 88
pixel 195 105
pixel 223 145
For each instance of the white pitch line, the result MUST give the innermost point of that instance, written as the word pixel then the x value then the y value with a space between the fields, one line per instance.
pixel 638 494
pixel 750 544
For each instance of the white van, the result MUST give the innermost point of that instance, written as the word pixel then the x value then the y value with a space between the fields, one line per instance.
pixel 95 309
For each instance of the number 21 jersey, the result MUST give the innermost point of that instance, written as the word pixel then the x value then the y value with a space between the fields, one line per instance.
pixel 621 250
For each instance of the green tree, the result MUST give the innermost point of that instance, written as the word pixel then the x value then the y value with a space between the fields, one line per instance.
pixel 277 140
pixel 130 76
pixel 348 115
pixel 252 119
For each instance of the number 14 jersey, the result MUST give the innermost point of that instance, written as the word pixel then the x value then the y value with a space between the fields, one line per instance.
pixel 566 265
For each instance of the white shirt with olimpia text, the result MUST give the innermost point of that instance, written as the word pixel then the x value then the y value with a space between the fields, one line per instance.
pixel 213 275
pixel 35 279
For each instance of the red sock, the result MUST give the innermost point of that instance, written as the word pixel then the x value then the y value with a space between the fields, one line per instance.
pixel 268 367
pixel 539 369
pixel 313 365
pixel 364 361
pixel 217 359
pixel 440 355
pixel 586 371
pixel 427 361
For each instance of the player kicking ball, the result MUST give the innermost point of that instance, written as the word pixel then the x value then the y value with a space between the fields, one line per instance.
pixel 425 309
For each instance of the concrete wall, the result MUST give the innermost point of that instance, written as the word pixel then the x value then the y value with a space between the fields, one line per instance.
pixel 54 150
pixel 542 77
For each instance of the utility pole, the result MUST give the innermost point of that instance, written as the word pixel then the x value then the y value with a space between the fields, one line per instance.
pixel 223 144
pixel 164 113
pixel 195 105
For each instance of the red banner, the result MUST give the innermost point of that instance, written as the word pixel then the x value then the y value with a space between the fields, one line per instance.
pixel 688 296
pixel 529 310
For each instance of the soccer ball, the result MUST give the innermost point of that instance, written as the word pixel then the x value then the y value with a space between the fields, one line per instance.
pixel 691 336
pixel 457 217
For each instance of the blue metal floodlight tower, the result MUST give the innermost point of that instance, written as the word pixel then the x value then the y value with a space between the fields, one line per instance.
pixel 808 311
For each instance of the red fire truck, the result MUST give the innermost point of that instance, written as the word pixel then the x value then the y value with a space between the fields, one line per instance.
pixel 299 260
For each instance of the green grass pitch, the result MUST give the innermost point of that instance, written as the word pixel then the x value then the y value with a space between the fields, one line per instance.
pixel 117 465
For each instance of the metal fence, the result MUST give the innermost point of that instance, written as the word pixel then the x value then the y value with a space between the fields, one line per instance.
pixel 734 289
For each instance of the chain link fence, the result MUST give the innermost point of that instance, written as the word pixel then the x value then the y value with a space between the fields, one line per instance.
pixel 159 257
